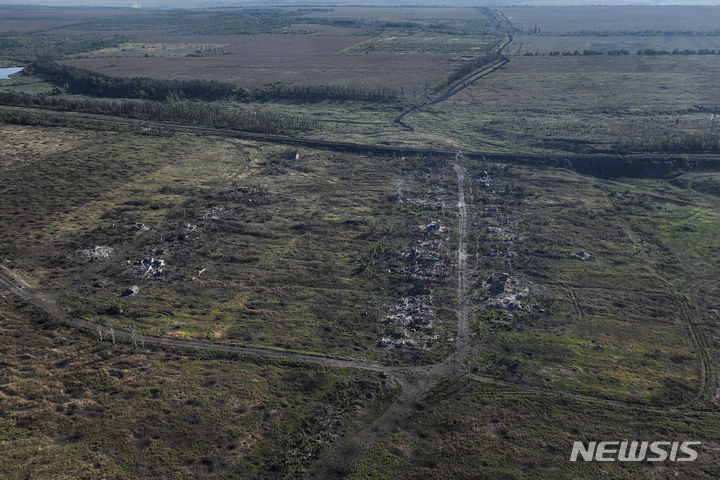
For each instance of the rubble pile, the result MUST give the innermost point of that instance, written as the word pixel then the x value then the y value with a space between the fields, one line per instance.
pixel 131 291
pixel 506 293
pixel 429 204
pixel 583 255
pixel 498 224
pixel 149 266
pixel 96 252
pixel 410 324
pixel 424 261
pixel 501 290
pixel 211 214
pixel 139 227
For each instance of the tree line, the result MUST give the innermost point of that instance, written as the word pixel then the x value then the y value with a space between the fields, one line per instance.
pixel 677 51
pixel 644 51
pixel 42 120
pixel 80 81
pixel 685 143
pixel 178 111
pixel 574 53
pixel 622 33
pixel 468 67
pixel 29 47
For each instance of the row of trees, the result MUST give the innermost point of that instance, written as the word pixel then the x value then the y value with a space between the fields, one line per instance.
pixel 644 51
pixel 623 33
pixel 574 53
pixel 468 67
pixel 677 51
pixel 40 119
pixel 686 143
pixel 180 111
pixel 315 93
pixel 79 81
pixel 29 47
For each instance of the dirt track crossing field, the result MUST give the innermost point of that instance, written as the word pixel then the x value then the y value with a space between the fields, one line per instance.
pixel 417 382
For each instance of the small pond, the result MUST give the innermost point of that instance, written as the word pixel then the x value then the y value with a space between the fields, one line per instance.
pixel 6 72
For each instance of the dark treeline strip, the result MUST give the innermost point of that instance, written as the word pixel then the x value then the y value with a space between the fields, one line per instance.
pixel 624 33
pixel 79 81
pixel 574 53
pixel 645 51
pixel 492 54
pixel 187 22
pixel 469 26
pixel 183 112
pixel 316 93
pixel 677 51
pixel 29 47
pixel 468 67
pixel 688 143
pixel 39 119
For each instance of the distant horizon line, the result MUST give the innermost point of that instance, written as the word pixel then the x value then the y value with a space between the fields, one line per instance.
pixel 159 4
pixel 204 4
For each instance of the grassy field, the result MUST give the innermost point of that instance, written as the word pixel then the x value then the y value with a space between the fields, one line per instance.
pixel 579 103
pixel 253 251
pixel 559 20
pixel 545 44
pixel 590 303
pixel 471 430
pixel 372 47
pixel 614 323
pixel 25 84
pixel 15 18
pixel 76 408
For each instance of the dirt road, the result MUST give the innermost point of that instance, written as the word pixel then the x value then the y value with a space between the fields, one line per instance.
pixel 416 382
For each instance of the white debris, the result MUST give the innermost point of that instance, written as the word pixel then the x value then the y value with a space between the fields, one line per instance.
pixel 96 252
pixel 211 213
pixel 583 255
pixel 150 266
pixel 131 291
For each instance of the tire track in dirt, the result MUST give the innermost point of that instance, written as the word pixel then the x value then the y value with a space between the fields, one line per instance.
pixel 467 80
pixel 416 382
pixel 47 304
pixel 453 90
pixel 607 165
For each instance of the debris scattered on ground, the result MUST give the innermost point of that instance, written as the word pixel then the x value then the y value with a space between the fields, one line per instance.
pixel 502 291
pixel 433 226
pixel 102 283
pixel 131 291
pixel 433 205
pixel 139 227
pixel 180 237
pixel 211 213
pixel 583 255
pixel 198 274
pixel 506 292
pixel 410 324
pixel 150 266
pixel 96 252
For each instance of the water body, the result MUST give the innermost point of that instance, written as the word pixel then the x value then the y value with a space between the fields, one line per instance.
pixel 6 72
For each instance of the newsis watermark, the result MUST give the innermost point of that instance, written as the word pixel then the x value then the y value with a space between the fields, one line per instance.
pixel 634 451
